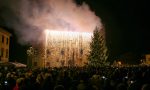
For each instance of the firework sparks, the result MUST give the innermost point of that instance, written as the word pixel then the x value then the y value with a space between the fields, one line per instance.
pixel 66 46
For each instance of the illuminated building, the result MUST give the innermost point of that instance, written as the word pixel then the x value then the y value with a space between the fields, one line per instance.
pixel 4 45
pixel 147 59
pixel 62 48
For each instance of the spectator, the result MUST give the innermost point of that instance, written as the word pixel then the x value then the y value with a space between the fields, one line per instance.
pixel 145 87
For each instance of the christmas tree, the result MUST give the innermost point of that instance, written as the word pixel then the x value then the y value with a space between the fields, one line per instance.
pixel 98 50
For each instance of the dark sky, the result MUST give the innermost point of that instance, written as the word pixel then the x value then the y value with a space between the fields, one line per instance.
pixel 126 24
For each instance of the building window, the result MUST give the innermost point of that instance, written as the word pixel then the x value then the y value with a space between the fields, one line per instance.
pixel 2 52
pixel 149 59
pixel 7 41
pixel 35 63
pixel 2 39
pixel 6 53
pixel 47 64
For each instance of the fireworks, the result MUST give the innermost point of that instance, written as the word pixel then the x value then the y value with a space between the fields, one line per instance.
pixel 65 48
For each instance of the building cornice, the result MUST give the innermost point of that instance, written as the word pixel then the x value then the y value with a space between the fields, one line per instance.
pixel 5 32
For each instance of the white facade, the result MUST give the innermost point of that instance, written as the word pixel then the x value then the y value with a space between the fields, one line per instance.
pixel 66 48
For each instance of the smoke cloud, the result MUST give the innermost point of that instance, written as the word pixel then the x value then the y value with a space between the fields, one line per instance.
pixel 30 17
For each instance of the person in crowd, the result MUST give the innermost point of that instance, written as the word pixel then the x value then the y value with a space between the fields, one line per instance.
pixel 76 78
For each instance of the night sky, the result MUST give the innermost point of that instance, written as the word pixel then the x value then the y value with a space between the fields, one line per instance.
pixel 126 25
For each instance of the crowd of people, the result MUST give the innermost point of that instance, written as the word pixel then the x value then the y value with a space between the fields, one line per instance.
pixel 76 78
